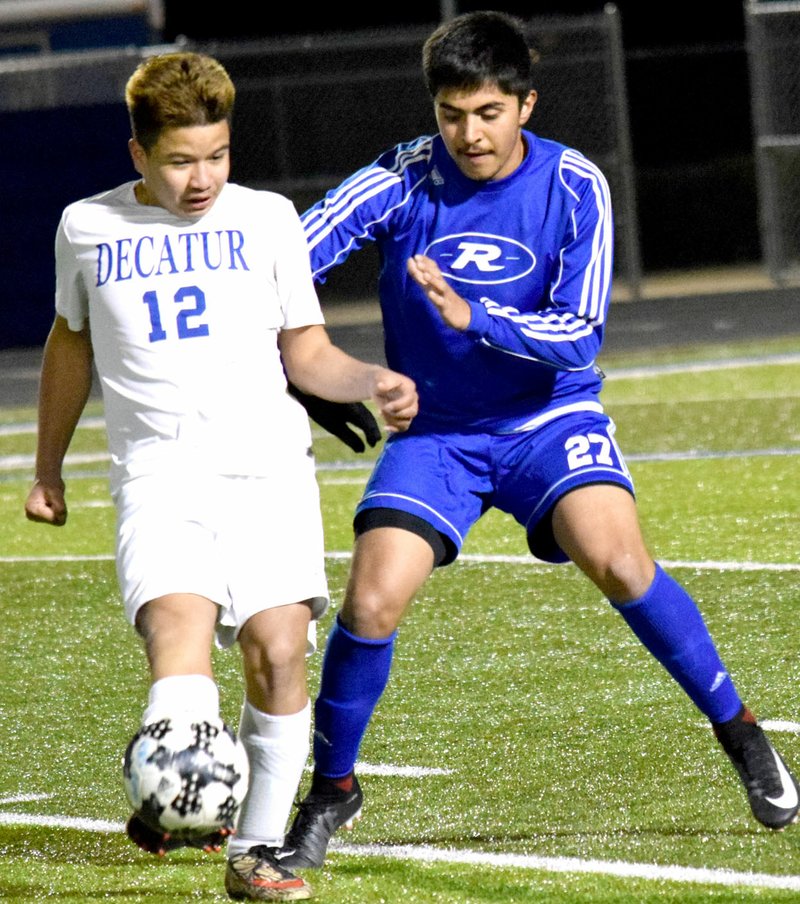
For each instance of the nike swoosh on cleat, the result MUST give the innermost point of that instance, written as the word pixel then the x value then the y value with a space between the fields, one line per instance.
pixel 279 855
pixel 788 799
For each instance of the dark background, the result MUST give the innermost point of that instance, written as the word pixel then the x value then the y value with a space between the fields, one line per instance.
pixel 689 94
pixel 689 109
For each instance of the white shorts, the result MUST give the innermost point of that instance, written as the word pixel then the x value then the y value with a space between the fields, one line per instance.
pixel 246 543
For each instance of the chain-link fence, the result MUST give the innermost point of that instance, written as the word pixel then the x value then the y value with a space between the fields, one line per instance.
pixel 773 47
pixel 310 110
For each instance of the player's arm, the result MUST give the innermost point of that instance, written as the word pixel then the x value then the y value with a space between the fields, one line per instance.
pixel 327 237
pixel 66 380
pixel 318 367
pixel 364 207
pixel 553 336
pixel 566 332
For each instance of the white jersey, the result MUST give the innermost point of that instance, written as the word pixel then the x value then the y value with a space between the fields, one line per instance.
pixel 184 317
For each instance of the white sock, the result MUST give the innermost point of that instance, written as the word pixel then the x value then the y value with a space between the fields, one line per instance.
pixel 278 748
pixel 194 694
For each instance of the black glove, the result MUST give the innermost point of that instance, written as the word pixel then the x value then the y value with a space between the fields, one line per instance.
pixel 336 416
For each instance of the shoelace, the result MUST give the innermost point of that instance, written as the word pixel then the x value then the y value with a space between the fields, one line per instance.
pixel 265 852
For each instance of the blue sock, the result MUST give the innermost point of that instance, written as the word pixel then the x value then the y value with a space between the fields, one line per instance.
pixel 354 674
pixel 667 621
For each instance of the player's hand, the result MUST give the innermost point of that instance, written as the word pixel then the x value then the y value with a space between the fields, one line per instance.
pixel 454 310
pixel 395 396
pixel 46 503
pixel 336 418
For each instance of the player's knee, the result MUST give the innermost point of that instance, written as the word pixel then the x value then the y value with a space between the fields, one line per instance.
pixel 287 652
pixel 371 610
pixel 622 575
pixel 181 619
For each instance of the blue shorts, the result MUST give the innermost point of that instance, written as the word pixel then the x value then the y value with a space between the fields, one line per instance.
pixel 450 479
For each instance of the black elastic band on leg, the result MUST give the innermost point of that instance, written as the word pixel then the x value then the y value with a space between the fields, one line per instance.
pixel 444 550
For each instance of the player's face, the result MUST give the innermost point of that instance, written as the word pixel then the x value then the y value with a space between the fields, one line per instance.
pixel 185 170
pixel 481 129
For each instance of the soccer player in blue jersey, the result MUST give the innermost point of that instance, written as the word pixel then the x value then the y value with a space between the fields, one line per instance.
pixel 495 279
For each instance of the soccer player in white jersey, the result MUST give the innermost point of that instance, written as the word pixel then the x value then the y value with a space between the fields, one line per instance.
pixel 194 298
pixel 496 266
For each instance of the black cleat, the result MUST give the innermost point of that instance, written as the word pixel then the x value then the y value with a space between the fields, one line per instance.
pixel 256 875
pixel 771 788
pixel 319 815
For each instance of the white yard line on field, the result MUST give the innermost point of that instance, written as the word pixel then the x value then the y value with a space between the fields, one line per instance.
pixel 780 725
pixel 666 563
pixel 60 822
pixel 25 428
pixel 708 456
pixel 424 853
pixel 659 370
pixel 574 865
pixel 530 561
pixel 22 798
pixel 473 559
pixel 401 771
pixel 26 462
pixel 100 557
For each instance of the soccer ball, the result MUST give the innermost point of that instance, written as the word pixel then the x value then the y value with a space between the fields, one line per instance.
pixel 186 777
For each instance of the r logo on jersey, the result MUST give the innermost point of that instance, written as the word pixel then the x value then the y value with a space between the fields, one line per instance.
pixel 473 257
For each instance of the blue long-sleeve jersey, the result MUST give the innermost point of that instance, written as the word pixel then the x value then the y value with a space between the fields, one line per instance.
pixel 531 253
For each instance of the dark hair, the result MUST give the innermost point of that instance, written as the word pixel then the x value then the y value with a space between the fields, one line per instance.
pixel 479 48
pixel 174 90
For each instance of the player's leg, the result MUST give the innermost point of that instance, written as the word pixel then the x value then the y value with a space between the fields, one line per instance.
pixel 597 526
pixel 274 728
pixel 389 566
pixel 418 504
pixel 168 598
pixel 171 599
pixel 272 547
pixel 177 632
pixel 568 483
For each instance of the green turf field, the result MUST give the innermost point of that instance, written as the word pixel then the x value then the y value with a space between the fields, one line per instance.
pixel 527 748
